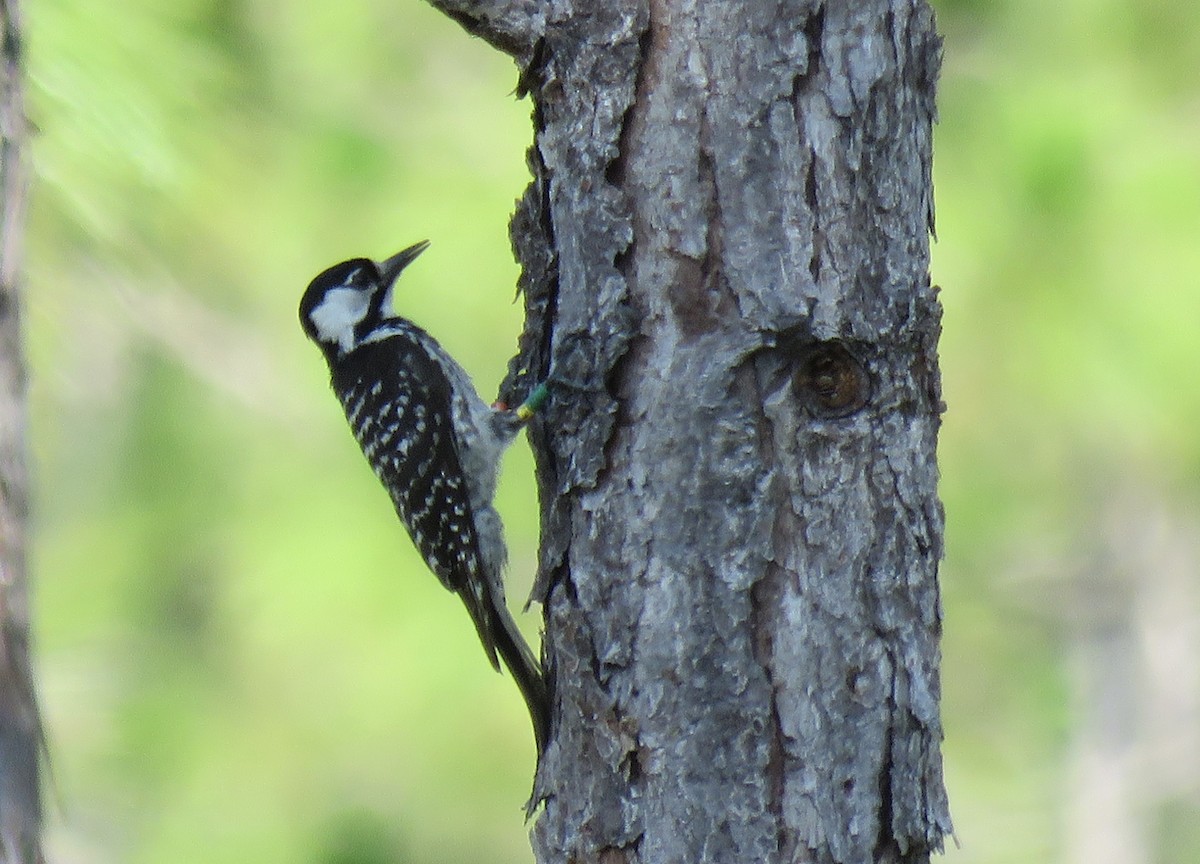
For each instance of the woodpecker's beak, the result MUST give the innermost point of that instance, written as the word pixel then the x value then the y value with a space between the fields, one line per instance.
pixel 390 269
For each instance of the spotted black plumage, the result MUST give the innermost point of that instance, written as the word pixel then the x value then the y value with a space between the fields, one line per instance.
pixel 398 406
pixel 434 444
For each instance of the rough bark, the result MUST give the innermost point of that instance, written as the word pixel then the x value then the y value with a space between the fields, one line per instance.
pixel 725 251
pixel 20 736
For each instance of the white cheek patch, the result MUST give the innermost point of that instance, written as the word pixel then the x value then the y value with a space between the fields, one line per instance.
pixel 338 314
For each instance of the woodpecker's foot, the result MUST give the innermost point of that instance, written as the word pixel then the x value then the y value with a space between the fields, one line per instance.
pixel 534 402
pixel 540 394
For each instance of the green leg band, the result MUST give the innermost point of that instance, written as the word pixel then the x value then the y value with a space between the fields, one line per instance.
pixel 534 403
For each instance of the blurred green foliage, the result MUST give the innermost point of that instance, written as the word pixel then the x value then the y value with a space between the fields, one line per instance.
pixel 240 656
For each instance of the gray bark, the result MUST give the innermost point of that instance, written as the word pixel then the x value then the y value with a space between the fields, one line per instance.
pixel 20 735
pixel 725 251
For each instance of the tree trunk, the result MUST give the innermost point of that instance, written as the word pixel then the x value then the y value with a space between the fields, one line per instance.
pixel 20 735
pixel 725 252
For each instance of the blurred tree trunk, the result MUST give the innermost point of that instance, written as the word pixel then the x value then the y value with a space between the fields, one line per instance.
pixel 20 736
pixel 725 248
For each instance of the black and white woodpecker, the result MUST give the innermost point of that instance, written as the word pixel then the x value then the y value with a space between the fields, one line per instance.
pixel 432 441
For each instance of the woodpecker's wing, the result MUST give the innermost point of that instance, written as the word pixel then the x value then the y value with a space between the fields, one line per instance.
pixel 398 403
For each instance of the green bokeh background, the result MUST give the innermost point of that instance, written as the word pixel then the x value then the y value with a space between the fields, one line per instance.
pixel 239 655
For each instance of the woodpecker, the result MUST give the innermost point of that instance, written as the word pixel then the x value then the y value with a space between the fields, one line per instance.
pixel 434 444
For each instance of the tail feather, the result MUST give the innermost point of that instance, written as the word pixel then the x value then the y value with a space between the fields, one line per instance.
pixel 503 640
pixel 480 607
pixel 527 672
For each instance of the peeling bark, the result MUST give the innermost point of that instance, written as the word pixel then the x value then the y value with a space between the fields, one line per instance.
pixel 20 733
pixel 725 251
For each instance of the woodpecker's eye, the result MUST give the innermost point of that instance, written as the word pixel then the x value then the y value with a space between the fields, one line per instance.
pixel 358 273
pixel 337 301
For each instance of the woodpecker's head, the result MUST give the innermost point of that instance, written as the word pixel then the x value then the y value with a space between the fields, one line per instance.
pixel 346 302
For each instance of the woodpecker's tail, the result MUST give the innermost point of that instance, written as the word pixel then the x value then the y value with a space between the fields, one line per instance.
pixel 503 641
pixel 526 671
